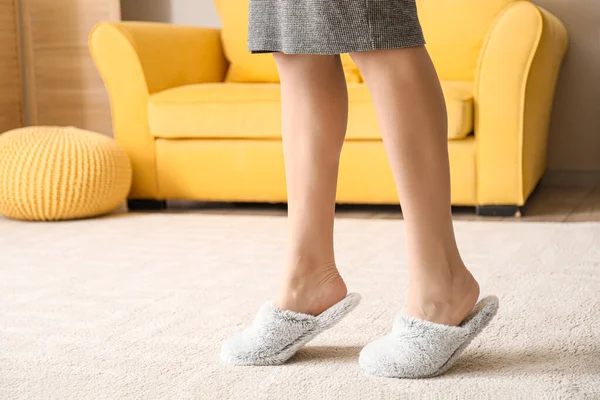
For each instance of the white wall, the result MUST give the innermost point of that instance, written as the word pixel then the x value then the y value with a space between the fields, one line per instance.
pixel 182 12
pixel 194 12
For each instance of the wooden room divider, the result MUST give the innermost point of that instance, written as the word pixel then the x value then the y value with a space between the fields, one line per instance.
pixel 63 85
pixel 12 113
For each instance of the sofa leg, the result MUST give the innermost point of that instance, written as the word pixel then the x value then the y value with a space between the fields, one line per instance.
pixel 146 205
pixel 498 211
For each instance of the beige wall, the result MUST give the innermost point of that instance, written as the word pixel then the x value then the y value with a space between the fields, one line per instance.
pixel 575 130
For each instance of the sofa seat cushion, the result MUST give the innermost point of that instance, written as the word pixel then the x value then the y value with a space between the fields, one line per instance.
pixel 244 110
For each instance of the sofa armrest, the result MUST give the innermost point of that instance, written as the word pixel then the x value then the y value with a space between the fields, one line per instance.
pixel 514 91
pixel 137 59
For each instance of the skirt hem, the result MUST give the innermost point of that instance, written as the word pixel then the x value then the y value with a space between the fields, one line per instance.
pixel 261 47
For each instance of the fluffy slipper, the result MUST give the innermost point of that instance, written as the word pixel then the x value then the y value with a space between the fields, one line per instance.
pixel 276 335
pixel 423 349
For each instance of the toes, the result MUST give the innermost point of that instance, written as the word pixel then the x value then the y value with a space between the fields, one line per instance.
pixel 388 357
pixel 237 351
pixel 374 358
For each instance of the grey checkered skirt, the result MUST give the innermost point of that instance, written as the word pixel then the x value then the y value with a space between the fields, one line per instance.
pixel 332 26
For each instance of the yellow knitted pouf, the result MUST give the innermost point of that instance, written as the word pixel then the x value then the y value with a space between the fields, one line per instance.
pixel 52 173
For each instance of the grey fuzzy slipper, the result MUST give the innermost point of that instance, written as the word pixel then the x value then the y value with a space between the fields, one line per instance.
pixel 276 335
pixel 423 349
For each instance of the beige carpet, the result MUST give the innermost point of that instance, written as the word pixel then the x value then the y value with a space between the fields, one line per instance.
pixel 135 307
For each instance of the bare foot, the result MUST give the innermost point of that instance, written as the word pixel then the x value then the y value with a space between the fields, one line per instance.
pixel 312 291
pixel 444 300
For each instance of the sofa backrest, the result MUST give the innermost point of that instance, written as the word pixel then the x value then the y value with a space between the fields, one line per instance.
pixel 247 67
pixel 454 31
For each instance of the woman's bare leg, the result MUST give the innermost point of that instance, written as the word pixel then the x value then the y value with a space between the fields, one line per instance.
pixel 315 112
pixel 412 116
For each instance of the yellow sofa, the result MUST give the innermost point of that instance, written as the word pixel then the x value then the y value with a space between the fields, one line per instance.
pixel 199 115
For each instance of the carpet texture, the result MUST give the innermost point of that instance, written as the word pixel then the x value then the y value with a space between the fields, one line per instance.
pixel 137 306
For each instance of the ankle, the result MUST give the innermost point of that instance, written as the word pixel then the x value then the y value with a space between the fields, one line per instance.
pixel 441 270
pixel 443 298
pixel 311 290
pixel 302 279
